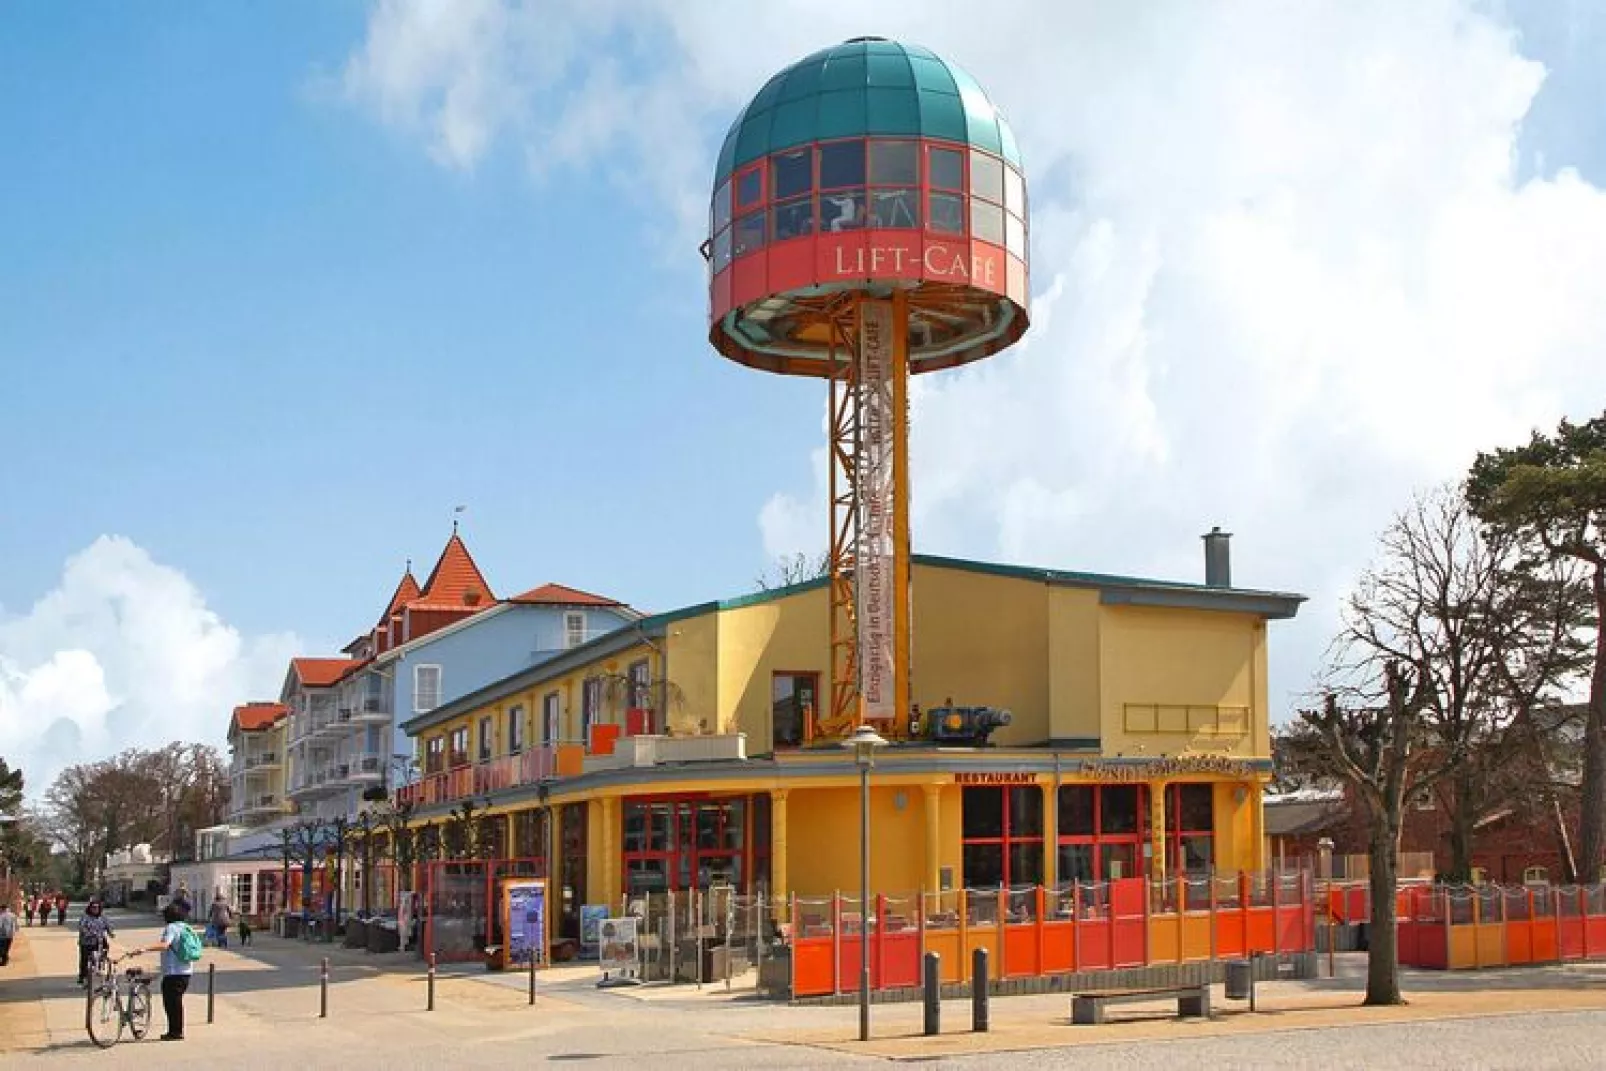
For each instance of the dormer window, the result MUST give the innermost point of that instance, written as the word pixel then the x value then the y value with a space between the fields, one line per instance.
pixel 574 628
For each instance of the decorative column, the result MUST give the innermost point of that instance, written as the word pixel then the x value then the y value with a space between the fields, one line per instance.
pixel 933 838
pixel 1157 867
pixel 780 882
pixel 612 884
pixel 1051 835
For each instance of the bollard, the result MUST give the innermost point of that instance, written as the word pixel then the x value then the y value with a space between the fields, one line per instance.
pixel 211 990
pixel 532 975
pixel 978 991
pixel 323 989
pixel 931 993
pixel 431 1004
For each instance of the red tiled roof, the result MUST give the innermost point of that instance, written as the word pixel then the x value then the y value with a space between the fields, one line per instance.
pixel 321 672
pixel 406 592
pixel 455 579
pixel 559 595
pixel 253 717
pixel 356 664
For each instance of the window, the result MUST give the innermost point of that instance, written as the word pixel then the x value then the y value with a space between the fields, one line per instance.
pixel 640 676
pixel 947 169
pixel 841 164
pixel 895 208
pixel 1003 836
pixel 792 699
pixel 590 706
pixel 749 233
pixel 678 842
pixel 515 729
pixel 435 754
pixel 842 210
pixel 986 177
pixel 1101 829
pixel 574 629
pixel 947 213
pixel 722 250
pixel 749 188
pixel 487 735
pixel 1014 192
pixel 894 163
pixel 791 174
pixel 1015 235
pixel 426 688
pixel 793 219
pixel 458 747
pixel 572 831
pixel 550 713
pixel 721 215
pixel 986 221
pixel 1190 822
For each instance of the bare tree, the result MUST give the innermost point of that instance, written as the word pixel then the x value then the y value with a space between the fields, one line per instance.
pixel 790 569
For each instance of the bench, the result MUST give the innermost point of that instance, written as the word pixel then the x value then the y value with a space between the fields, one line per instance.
pixel 1193 1001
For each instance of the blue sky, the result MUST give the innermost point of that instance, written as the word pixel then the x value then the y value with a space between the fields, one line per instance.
pixel 282 285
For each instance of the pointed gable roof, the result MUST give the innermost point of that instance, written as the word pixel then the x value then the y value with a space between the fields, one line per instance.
pixel 256 716
pixel 321 672
pixel 406 591
pixel 562 595
pixel 456 582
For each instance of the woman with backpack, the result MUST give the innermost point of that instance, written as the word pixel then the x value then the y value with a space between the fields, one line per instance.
pixel 180 948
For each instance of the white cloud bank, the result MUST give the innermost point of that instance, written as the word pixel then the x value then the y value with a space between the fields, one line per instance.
pixel 1285 269
pixel 123 653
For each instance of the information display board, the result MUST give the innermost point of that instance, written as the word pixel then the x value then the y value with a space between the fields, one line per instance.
pixel 524 920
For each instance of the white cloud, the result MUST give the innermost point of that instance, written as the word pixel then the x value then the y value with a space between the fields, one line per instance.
pixel 1284 267
pixel 123 653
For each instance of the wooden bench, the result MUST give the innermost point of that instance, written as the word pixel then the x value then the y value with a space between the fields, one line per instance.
pixel 1193 1001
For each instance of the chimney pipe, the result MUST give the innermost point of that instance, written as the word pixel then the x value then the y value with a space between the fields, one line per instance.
pixel 1218 558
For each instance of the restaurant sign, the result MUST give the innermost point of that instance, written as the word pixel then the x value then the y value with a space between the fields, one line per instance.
pixel 1176 766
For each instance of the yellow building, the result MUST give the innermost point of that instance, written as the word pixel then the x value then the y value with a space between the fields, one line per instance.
pixel 673 752
pixel 257 763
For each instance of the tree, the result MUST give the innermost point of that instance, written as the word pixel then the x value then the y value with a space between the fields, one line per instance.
pixel 1550 494
pixel 789 569
pixel 1373 747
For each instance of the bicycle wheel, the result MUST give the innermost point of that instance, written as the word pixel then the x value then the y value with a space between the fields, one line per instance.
pixel 103 1016
pixel 139 1010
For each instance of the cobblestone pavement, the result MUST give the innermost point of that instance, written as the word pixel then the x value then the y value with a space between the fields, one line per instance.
pixel 267 1009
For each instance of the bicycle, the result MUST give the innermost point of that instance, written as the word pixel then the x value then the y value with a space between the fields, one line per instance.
pixel 117 1002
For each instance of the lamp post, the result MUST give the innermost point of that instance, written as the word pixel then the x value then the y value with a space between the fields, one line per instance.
pixel 1325 847
pixel 864 743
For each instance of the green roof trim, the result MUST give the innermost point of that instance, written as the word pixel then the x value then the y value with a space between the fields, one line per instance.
pixel 865 87
pixel 1113 590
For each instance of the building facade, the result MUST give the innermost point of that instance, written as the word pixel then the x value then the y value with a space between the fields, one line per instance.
pixel 674 753
pixel 257 763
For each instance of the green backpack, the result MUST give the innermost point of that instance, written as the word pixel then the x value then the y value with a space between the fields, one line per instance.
pixel 187 946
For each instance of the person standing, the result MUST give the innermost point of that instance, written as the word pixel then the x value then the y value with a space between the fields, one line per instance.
pixel 176 971
pixel 94 932
pixel 182 901
pixel 61 909
pixel 220 919
pixel 8 930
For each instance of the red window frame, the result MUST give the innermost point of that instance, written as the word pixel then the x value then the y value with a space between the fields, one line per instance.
pixel 1008 840
pixel 683 844
pixel 929 190
pixel 1175 834
pixel 1099 840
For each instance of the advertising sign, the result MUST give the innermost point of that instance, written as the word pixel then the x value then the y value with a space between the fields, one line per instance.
pixel 620 951
pixel 591 916
pixel 524 920
pixel 874 551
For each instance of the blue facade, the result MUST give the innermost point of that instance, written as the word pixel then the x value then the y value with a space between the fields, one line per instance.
pixel 489 647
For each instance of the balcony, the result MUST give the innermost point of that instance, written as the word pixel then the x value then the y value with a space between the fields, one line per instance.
pixel 357 770
pixel 267 760
pixel 637 751
pixel 373 710
pixel 510 771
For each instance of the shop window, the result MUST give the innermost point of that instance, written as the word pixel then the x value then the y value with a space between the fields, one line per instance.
pixel 680 843
pixel 791 174
pixel 986 221
pixel 986 177
pixel 947 169
pixel 947 215
pixel 895 208
pixel 486 737
pixel 720 217
pixel 1100 832
pixel 894 163
pixel 749 188
pixel 841 211
pixel 1003 836
pixel 793 219
pixel 792 706
pixel 1014 192
pixel 841 164
pixel 1015 235
pixel 529 834
pixel 749 234
pixel 1190 822
pixel 572 836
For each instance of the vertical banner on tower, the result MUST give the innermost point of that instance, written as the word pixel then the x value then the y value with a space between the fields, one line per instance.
pixel 874 551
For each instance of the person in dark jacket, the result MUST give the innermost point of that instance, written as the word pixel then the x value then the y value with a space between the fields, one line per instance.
pixel 182 903
pixel 61 909
pixel 94 932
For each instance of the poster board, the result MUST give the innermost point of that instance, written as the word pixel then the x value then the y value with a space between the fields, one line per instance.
pixel 619 952
pixel 591 919
pixel 524 921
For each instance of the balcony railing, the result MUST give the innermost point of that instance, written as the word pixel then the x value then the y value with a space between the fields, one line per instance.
pixel 509 771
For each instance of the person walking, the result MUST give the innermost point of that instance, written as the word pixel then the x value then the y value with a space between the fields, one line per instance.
pixel 61 909
pixel 183 902
pixel 176 969
pixel 8 930
pixel 221 919
pixel 94 934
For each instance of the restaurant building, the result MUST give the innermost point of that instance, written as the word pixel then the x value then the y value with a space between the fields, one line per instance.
pixel 676 753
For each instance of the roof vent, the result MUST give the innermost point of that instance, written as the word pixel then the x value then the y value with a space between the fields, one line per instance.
pixel 1218 558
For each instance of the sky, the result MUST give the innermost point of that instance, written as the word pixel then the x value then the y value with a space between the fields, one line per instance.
pixel 281 286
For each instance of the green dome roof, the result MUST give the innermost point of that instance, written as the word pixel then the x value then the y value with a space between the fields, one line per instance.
pixel 866 86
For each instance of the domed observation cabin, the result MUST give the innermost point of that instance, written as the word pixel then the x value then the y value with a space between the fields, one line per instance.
pixel 867 167
pixel 868 222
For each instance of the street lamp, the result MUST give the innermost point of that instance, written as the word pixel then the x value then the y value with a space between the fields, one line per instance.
pixel 1325 847
pixel 864 742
